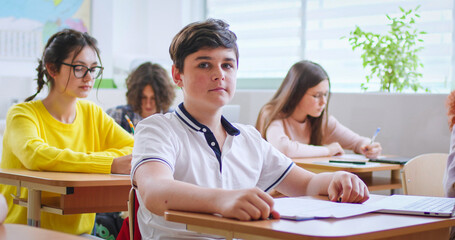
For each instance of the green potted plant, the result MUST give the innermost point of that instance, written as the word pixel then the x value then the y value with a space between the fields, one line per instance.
pixel 392 57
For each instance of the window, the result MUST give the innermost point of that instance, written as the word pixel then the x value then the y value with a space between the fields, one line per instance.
pixel 269 37
pixel 275 34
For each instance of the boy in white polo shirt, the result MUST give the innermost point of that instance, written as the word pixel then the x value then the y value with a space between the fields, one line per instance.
pixel 195 160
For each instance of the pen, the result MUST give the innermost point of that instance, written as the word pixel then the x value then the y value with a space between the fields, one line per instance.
pixel 338 199
pixel 375 134
pixel 130 123
pixel 343 161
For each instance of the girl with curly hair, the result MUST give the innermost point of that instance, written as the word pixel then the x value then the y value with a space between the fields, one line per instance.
pixel 149 91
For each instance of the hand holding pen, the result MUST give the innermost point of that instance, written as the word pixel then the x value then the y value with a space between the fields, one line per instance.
pixel 347 187
pixel 373 149
pixel 375 135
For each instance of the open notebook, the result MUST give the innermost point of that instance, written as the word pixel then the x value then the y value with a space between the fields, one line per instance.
pixel 298 208
pixel 394 160
pixel 416 205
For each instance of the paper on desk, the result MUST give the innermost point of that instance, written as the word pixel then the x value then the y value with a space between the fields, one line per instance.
pixel 366 165
pixel 352 156
pixel 304 209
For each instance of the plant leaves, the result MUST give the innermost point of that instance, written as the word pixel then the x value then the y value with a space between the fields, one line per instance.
pixel 392 58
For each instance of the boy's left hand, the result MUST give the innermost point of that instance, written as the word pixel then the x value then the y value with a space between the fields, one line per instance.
pixel 121 165
pixel 347 187
pixel 371 150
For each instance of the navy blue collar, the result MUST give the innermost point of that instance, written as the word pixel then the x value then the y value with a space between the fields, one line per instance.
pixel 197 126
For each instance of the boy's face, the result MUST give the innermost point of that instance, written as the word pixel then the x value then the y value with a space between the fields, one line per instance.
pixel 208 79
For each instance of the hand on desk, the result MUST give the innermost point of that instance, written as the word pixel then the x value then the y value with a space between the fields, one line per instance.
pixel 371 150
pixel 122 165
pixel 246 204
pixel 335 149
pixel 347 187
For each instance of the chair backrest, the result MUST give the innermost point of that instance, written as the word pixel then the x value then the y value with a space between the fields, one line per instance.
pixel 131 212
pixel 423 175
pixel 130 228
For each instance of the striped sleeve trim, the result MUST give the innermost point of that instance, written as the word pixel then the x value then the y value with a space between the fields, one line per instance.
pixel 148 160
pixel 280 178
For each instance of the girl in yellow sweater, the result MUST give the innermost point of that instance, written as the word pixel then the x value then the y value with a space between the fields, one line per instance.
pixel 60 132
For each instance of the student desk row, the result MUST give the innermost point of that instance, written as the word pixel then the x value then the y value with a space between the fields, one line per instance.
pixel 87 193
pixel 19 231
pixel 365 172
pixel 362 227
pixel 77 192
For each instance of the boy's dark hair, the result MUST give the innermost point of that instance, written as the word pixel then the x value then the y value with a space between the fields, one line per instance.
pixel 211 33
pixel 157 77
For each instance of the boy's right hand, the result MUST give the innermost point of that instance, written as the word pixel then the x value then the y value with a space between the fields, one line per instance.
pixel 122 165
pixel 335 149
pixel 246 204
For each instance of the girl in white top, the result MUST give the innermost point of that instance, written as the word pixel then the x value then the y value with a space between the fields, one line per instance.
pixel 295 121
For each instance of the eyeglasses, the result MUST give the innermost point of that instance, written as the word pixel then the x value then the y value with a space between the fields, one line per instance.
pixel 320 96
pixel 80 71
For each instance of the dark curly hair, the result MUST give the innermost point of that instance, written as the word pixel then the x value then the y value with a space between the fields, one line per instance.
pixel 157 77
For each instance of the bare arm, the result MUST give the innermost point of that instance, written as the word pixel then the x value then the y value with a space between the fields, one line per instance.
pixel 276 136
pixel 160 192
pixel 344 185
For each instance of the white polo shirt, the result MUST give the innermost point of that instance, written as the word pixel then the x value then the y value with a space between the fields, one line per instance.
pixel 192 153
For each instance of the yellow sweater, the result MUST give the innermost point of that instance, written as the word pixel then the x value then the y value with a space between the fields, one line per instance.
pixel 34 140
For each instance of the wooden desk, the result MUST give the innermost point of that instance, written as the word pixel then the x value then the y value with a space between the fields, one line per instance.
pixel 18 231
pixel 365 173
pixel 367 226
pixel 77 192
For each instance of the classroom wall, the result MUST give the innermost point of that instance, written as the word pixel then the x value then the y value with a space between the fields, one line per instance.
pixel 411 124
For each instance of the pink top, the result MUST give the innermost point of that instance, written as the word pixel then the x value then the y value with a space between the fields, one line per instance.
pixel 292 138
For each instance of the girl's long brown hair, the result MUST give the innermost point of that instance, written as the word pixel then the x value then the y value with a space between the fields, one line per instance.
pixel 302 76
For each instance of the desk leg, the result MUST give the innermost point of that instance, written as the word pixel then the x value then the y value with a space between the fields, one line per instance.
pixel 34 208
pixel 394 175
